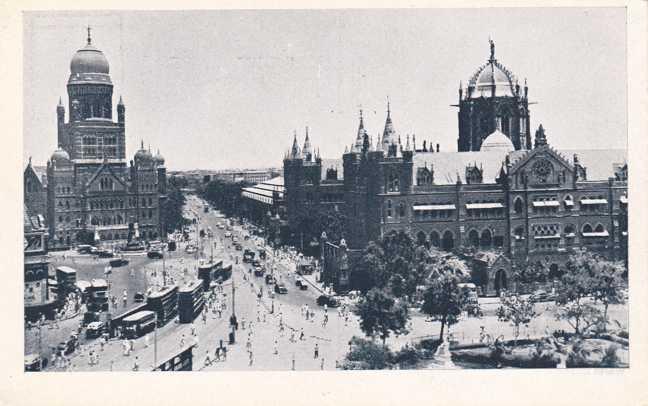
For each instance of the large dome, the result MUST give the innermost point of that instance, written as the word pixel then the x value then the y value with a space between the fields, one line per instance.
pixel 60 155
pixel 497 141
pixel 492 76
pixel 89 65
pixel 89 60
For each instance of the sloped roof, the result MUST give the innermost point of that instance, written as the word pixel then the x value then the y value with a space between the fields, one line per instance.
pixel 448 165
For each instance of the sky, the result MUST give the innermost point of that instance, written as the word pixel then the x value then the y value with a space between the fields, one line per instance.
pixel 227 89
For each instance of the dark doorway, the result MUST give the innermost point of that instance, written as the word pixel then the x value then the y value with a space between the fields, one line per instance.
pixel 448 241
pixel 500 281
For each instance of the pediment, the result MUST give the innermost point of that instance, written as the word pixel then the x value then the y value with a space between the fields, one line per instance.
pixel 541 167
pixel 105 180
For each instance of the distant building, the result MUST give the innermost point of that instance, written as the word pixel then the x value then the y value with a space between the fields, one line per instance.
pixel 498 194
pixel 92 193
pixel 37 298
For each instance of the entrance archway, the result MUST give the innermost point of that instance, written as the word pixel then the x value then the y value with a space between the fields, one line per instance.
pixel 473 238
pixel 434 239
pixel 448 241
pixel 420 238
pixel 554 272
pixel 486 239
pixel 501 282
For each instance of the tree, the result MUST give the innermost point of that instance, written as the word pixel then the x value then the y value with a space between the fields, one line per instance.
pixel 172 210
pixel 444 300
pixel 578 283
pixel 608 285
pixel 365 354
pixel 381 314
pixel 369 271
pixel 516 310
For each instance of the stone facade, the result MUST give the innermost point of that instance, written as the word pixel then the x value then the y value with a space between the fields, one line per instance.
pixel 93 194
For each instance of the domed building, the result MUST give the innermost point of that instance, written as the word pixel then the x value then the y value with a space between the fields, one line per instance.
pixel 497 141
pixel 493 101
pixel 93 194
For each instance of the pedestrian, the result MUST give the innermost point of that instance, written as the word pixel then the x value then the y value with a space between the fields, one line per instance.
pixel 136 364
pixel 251 358
pixel 193 329
pixel 208 359
pixel 301 334
pixel 182 341
pixel 316 351
pixel 276 347
pixel 146 341
pixel 322 364
pixel 132 344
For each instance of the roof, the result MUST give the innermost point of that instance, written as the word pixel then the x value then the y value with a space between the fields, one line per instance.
pixel 450 166
pixel 599 163
pixel 67 269
pixel 138 315
pixel 497 140
pixel 264 191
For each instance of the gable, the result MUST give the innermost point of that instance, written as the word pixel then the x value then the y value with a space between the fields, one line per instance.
pixel 105 180
pixel 32 182
pixel 541 167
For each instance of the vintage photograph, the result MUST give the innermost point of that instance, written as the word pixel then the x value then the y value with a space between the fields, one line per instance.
pixel 325 190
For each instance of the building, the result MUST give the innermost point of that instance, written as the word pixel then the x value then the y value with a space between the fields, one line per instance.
pixel 93 193
pixel 38 298
pixel 264 205
pixel 528 204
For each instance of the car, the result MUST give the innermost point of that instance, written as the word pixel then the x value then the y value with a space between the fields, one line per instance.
pixel 103 253
pixel 33 362
pixel 256 263
pixel 259 271
pixel 155 254
pixel 328 300
pixel 117 262
pixel 228 234
pixel 84 249
pixel 138 297
pixel 235 240
pixel 68 346
pixel 238 247
pixel 96 329
pixel 280 288
pixel 539 296
pixel 301 284
pixel 269 279
pixel 190 249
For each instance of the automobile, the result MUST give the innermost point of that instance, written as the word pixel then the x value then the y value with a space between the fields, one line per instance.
pixel 94 250
pixel 68 346
pixel 96 329
pixel 328 300
pixel 117 262
pixel 84 249
pixel 238 247
pixel 138 297
pixel 228 234
pixel 33 362
pixel 246 237
pixel 301 284
pixel 190 249
pixel 104 253
pixel 235 240
pixel 539 296
pixel 155 254
pixel 280 288
pixel 269 279
pixel 259 271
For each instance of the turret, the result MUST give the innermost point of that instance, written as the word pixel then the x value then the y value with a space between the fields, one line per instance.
pixel 540 138
pixel 121 111
pixel 60 112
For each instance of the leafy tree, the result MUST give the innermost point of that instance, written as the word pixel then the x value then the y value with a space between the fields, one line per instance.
pixel 369 271
pixel 444 300
pixel 172 209
pixel 578 283
pixel 381 314
pixel 608 283
pixel 366 354
pixel 516 310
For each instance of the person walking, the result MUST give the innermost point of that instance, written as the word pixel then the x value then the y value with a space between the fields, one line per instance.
pixel 301 334
pixel 146 340
pixel 251 358
pixel 208 359
pixel 316 351
pixel 322 364
pixel 193 329
pixel 276 347
pixel 182 341
pixel 136 364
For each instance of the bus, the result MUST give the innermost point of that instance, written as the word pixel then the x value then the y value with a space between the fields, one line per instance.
pixel 191 301
pixel 66 278
pixel 164 303
pixel 224 272
pixel 138 324
pixel 206 272
pixel 97 295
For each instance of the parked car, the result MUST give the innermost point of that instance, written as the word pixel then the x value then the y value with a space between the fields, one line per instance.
pixel 539 296
pixel 190 249
pixel 117 262
pixel 259 271
pixel 301 284
pixel 256 263
pixel 280 288
pixel 33 362
pixel 269 279
pixel 84 249
pixel 155 254
pixel 328 300
pixel 104 253
pixel 96 329
pixel 238 247
pixel 68 346
pixel 228 234
pixel 138 297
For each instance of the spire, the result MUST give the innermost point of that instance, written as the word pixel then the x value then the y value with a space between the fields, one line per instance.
pixel 359 141
pixel 60 104
pixel 29 163
pixel 540 137
pixel 121 102
pixel 307 151
pixel 389 134
pixel 407 145
pixel 89 38
pixel 142 144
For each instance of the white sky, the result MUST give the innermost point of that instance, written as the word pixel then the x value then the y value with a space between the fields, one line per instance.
pixel 223 89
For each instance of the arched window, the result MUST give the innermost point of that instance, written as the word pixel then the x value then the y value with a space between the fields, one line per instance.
pixel 568 202
pixel 518 206
pixel 473 238
pixel 393 184
pixel 599 228
pixel 587 228
pixel 448 240
pixel 67 205
pixel 518 232
pixel 486 239
pixel 401 209
pixel 390 212
pixel 569 231
pixel 420 238
pixel 150 202
pixel 434 239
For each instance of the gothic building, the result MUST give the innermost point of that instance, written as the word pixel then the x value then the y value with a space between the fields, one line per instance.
pixel 499 195
pixel 493 100
pixel 93 194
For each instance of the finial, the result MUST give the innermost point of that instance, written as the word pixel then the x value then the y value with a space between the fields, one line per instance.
pixel 89 38
pixel 306 132
pixel 361 121
pixel 388 109
pixel 525 83
pixel 60 101
pixel 29 161
pixel 492 49
pixel 142 144
pixel 149 148
pixel 121 101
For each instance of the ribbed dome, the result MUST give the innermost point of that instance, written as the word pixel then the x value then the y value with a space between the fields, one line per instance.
pixel 159 159
pixel 60 154
pixel 497 141
pixel 492 76
pixel 143 155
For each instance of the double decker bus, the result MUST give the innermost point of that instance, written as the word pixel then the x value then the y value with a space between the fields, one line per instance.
pixel 66 278
pixel 206 272
pixel 191 301
pixel 224 272
pixel 97 295
pixel 164 303
pixel 138 324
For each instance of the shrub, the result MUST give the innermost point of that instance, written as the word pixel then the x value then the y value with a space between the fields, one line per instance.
pixel 370 354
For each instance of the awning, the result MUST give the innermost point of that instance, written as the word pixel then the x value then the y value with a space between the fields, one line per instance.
pixel 624 199
pixel 593 201
pixel 546 237
pixel 433 207
pixel 597 234
pixel 570 235
pixel 496 205
pixel 546 203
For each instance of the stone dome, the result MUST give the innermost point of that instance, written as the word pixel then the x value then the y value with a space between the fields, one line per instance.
pixel 89 60
pixel 159 159
pixel 60 154
pixel 143 155
pixel 492 76
pixel 497 141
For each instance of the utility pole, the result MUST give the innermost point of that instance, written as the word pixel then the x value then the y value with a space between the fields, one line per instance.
pixel 155 364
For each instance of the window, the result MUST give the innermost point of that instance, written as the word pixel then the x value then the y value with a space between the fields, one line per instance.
pixel 389 209
pixel 434 239
pixel 393 184
pixel 587 228
pixel 518 233
pixel 401 209
pixel 518 205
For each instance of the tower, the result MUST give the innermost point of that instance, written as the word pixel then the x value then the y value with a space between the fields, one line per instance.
pixel 491 102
